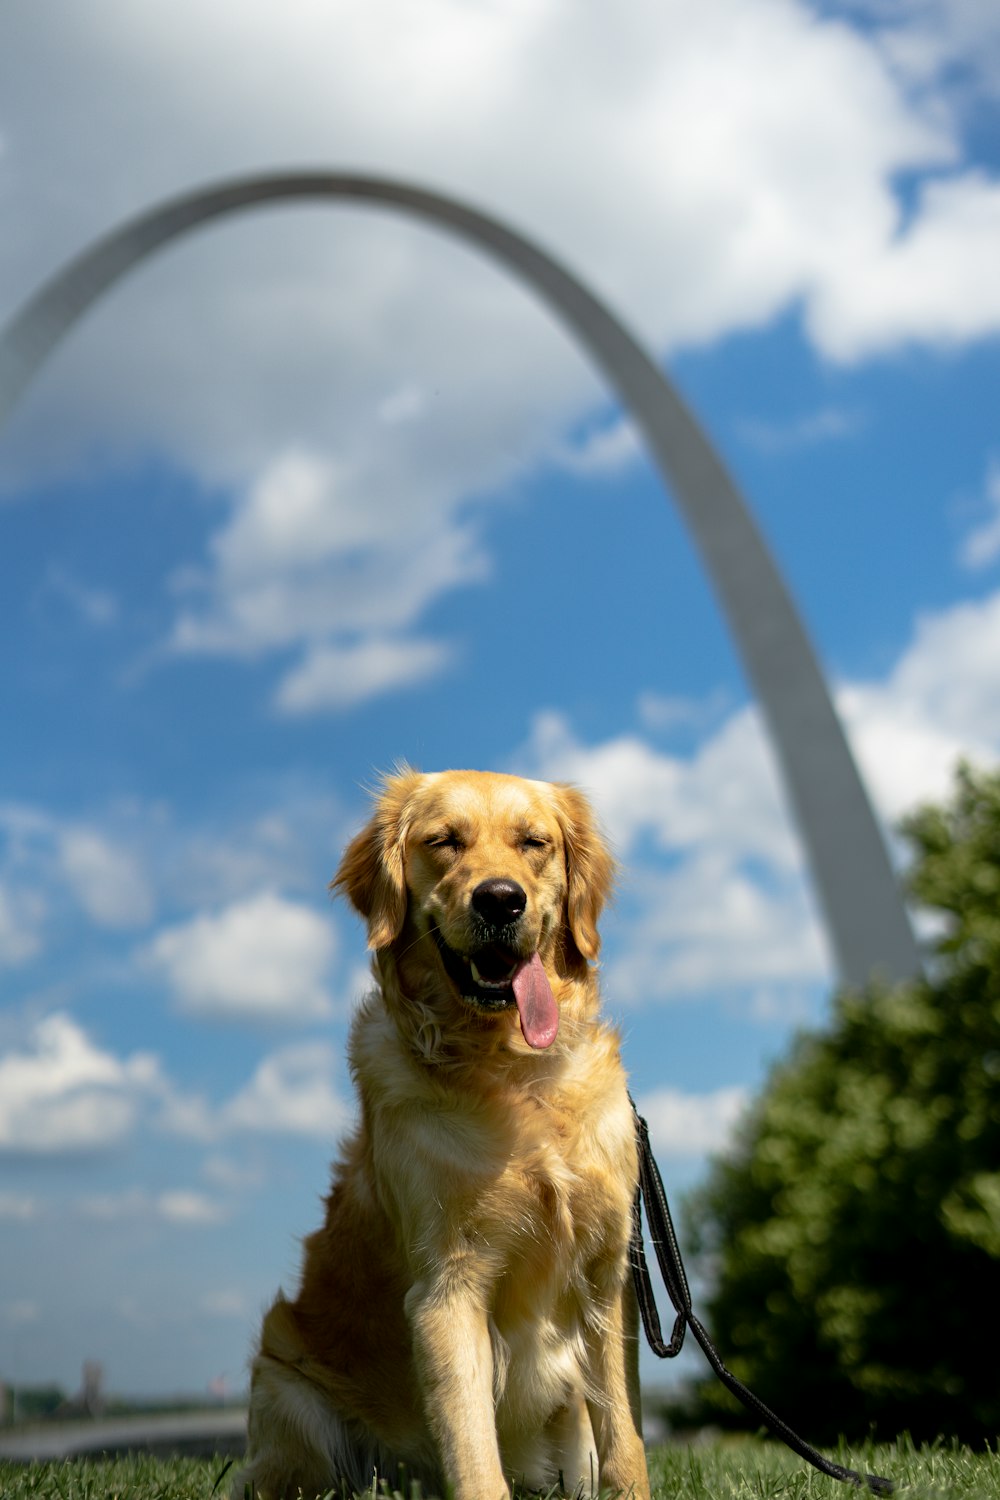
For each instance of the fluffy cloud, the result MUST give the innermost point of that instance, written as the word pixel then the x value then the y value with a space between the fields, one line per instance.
pixel 925 284
pixel 982 545
pixel 714 927
pixel 185 1206
pixel 290 1094
pixel 726 797
pixel 602 451
pixel 107 881
pixel 335 676
pixel 305 554
pixel 20 916
pixel 105 877
pixel 20 1313
pixel 62 1093
pixel 787 192
pixel 262 959
pixel 691 1124
pixel 227 1303
pixel 363 385
pixel 949 43
pixel 825 425
pixel 95 607
pixel 18 1206
pixel 182 1206
pixel 733 913
pixel 305 558
pixel 939 702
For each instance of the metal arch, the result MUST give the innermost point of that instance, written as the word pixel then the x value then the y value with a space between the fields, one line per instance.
pixel 866 920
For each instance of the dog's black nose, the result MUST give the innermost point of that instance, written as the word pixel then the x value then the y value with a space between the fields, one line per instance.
pixel 499 902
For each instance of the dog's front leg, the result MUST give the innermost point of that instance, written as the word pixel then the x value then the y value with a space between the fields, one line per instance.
pixel 615 1411
pixel 454 1362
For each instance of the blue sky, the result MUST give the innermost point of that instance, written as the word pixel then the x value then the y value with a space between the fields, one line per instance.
pixel 318 490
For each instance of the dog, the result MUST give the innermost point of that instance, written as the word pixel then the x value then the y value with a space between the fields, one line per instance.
pixel 465 1317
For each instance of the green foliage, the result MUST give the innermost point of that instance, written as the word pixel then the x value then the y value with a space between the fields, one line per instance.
pixel 852 1239
pixel 35 1403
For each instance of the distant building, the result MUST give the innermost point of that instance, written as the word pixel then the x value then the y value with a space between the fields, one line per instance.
pixel 91 1395
pixel 89 1400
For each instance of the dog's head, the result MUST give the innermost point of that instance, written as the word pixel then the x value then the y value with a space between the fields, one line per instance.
pixel 496 881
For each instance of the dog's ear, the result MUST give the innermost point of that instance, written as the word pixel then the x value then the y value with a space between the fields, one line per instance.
pixel 590 868
pixel 372 874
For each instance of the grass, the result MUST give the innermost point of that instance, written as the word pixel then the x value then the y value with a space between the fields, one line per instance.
pixel 744 1469
pixel 750 1469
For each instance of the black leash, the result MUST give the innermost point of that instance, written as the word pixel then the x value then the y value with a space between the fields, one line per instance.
pixel 668 1254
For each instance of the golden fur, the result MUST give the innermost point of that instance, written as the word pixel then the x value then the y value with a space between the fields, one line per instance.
pixel 465 1312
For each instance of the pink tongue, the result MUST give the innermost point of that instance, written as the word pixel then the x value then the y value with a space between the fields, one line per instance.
pixel 536 1004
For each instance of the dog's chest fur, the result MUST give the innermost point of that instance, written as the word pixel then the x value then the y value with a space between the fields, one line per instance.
pixel 535 1163
pixel 563 1248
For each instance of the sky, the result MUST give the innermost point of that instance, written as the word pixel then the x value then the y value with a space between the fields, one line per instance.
pixel 320 489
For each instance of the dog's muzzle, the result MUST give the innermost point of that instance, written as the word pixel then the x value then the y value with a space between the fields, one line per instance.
pixel 496 973
pixel 485 976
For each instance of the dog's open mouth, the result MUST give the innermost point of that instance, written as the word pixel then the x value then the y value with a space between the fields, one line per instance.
pixel 496 978
pixel 487 979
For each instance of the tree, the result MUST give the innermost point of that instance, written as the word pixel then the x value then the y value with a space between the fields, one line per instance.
pixel 851 1239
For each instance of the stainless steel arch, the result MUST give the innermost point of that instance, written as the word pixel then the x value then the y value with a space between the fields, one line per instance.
pixel 865 916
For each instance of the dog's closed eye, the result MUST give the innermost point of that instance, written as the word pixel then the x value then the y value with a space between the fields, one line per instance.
pixel 443 841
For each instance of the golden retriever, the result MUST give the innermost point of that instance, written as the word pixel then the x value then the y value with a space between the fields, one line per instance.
pixel 465 1317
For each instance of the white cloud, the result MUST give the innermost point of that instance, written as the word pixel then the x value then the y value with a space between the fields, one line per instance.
pixel 291 1094
pixel 106 877
pixel 691 1124
pixel 733 915
pixel 713 927
pixel 183 1206
pixel 130 1204
pixel 226 1303
pixel 218 862
pixel 954 44
pixel 603 451
pixel 362 384
pixel 335 676
pixel 261 959
pixel 230 1176
pixel 827 424
pixel 93 605
pixel 21 1312
pixel 306 559
pixel 726 796
pixel 189 1116
pixel 107 880
pixel 663 711
pixel 61 1093
pixel 939 702
pixel 403 405
pixel 20 916
pixel 934 282
pixel 982 546
pixel 18 1206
